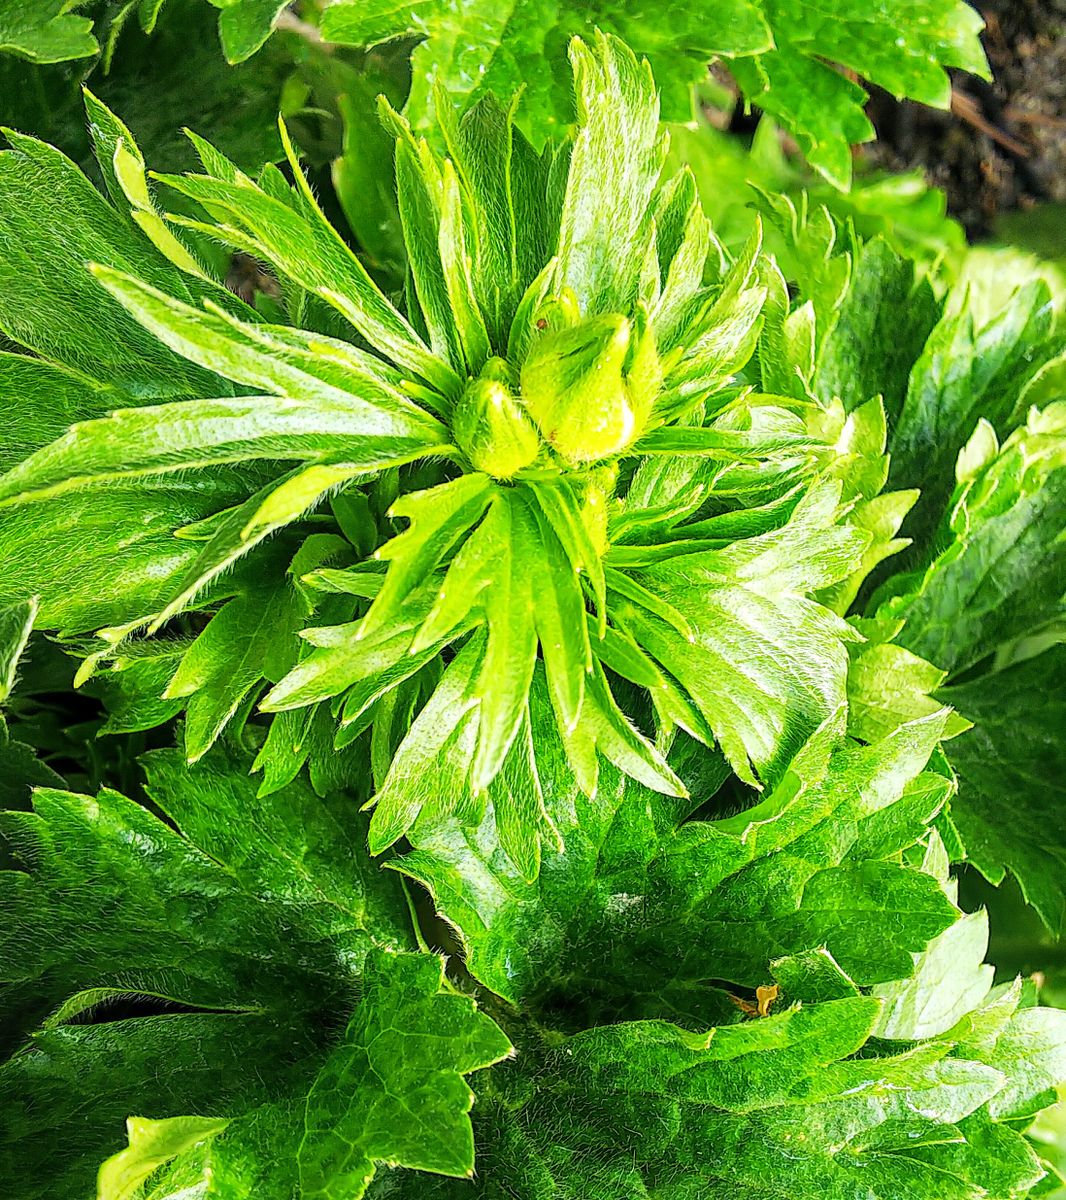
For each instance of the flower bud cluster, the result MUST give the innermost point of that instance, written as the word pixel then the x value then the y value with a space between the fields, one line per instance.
pixel 585 392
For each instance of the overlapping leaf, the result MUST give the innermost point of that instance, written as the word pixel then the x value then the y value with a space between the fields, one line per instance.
pixel 988 609
pixel 1010 773
pixel 781 55
pixel 203 971
pixel 782 1103
pixel 642 898
pixel 1001 575
pixel 963 375
pixel 45 32
pixel 986 595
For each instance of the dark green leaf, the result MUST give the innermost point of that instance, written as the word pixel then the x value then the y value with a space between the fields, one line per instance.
pixel 1012 777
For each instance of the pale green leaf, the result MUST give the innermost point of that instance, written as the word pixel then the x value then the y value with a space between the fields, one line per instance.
pixel 152 1144
pixel 604 223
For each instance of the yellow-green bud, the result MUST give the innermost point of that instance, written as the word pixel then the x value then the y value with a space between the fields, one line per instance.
pixel 492 430
pixel 590 386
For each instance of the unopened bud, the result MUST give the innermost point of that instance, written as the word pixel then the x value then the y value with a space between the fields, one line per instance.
pixel 590 386
pixel 492 430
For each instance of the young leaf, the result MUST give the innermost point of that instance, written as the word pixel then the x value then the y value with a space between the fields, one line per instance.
pixel 303 246
pixel 49 304
pixel 163 439
pixel 749 618
pixel 251 356
pixel 604 223
pixel 16 622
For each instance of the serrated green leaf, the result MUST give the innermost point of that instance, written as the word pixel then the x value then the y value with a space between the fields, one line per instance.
pixel 255 919
pixel 889 685
pixel 342 658
pixel 512 204
pixel 1031 1052
pixel 21 771
pixel 746 1109
pixel 228 659
pixel 964 373
pixel 880 329
pixel 751 595
pixel 439 518
pixel 244 25
pixel 123 168
pixel 393 1091
pixel 951 980
pixel 239 531
pixel 779 54
pixel 697 900
pixel 1014 753
pixel 278 361
pixel 430 769
pixel 303 246
pixel 126 550
pixel 561 623
pixel 903 50
pixel 510 648
pixel 45 32
pixel 1002 572
pixel 162 439
pixel 70 839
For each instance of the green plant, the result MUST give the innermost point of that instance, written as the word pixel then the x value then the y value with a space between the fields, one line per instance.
pixel 799 63
pixel 637 696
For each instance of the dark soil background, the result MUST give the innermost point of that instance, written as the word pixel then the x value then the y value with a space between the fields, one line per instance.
pixel 1002 147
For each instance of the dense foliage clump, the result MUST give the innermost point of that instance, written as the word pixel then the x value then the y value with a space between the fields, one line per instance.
pixel 674 613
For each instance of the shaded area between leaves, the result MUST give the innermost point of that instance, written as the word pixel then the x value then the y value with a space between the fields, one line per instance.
pixel 1003 145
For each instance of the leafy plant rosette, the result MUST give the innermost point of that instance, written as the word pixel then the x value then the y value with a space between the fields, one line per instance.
pixel 691 827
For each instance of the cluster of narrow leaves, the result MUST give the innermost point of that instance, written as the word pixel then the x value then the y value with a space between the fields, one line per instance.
pixel 694 541
pixel 575 564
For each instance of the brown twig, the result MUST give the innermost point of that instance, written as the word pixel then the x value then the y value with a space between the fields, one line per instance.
pixel 966 109
pixel 1021 117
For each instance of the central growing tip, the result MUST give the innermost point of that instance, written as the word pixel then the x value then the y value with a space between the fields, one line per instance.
pixel 583 393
